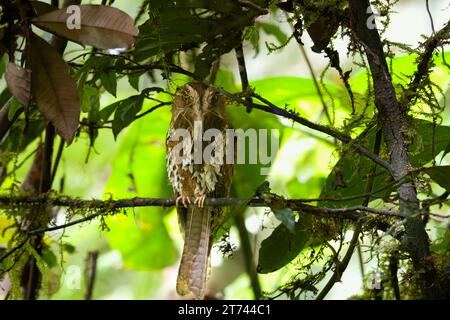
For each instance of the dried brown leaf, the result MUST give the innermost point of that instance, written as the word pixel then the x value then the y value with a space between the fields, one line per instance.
pixel 18 81
pixel 53 88
pixel 100 26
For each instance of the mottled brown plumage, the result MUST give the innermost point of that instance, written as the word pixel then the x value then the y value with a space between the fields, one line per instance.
pixel 197 104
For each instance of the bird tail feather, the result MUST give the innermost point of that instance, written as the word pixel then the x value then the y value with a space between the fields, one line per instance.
pixel 194 261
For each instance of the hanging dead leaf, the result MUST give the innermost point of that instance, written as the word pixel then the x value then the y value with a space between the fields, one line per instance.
pixel 53 88
pixel 99 26
pixel 18 81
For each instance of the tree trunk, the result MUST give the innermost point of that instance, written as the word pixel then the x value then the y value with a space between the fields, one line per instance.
pixel 392 120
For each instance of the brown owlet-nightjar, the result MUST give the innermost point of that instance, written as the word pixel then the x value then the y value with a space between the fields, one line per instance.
pixel 198 167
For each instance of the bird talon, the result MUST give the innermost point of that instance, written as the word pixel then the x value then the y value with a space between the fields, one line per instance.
pixel 185 200
pixel 200 201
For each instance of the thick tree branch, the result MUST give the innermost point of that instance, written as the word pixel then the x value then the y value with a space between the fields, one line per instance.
pixel 393 124
pixel 46 170
pixel 74 203
pixel 105 207
pixel 91 272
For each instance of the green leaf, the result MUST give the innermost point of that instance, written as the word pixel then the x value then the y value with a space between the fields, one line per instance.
pixel 3 65
pixel 446 151
pixel 126 113
pixel 109 81
pixel 273 30
pixel 441 175
pixel 69 248
pixel 281 247
pixel 426 135
pixel 89 98
pixel 139 169
pixel 144 245
pixel 133 80
pixel 107 111
pixel 49 257
pixel 13 108
pixel 286 216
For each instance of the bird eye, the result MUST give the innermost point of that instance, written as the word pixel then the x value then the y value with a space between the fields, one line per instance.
pixel 212 99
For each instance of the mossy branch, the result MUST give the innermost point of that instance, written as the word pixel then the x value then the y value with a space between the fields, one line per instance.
pixel 8 202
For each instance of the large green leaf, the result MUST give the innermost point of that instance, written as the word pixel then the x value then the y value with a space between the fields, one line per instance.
pixel 281 247
pixel 426 135
pixel 441 175
pixel 139 170
pixel 126 113
pixel 350 175
pixel 109 82
pixel 287 218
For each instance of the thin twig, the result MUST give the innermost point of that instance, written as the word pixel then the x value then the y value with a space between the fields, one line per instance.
pixel 91 272
pixel 17 247
pixel 425 58
pixel 427 5
pixel 243 73
pixel 254 6
pixel 66 225
pixel 312 73
pixel 249 256
pixel 57 160
pixel 162 104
